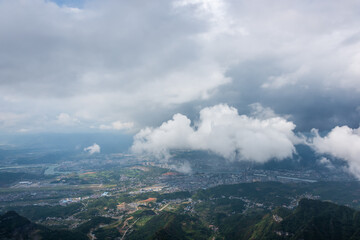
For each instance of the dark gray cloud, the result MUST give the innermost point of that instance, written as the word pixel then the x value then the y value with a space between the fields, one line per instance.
pixel 309 105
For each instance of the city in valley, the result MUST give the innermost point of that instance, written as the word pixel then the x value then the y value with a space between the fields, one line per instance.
pixel 118 195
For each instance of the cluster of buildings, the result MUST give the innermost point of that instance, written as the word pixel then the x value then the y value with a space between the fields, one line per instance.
pixel 134 205
pixel 66 201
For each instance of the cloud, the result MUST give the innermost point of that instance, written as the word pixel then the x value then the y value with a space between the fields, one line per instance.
pixel 98 59
pixel 259 111
pixel 117 125
pixel 141 61
pixel 285 79
pixel 184 167
pixel 92 149
pixel 8 119
pixel 341 142
pixel 66 119
pixel 222 130
pixel 326 162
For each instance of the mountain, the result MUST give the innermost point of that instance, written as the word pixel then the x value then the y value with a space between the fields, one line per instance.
pixel 223 212
pixel 312 219
pixel 14 226
pixel 171 226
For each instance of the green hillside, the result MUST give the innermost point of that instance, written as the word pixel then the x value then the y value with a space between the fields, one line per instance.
pixel 14 226
pixel 312 219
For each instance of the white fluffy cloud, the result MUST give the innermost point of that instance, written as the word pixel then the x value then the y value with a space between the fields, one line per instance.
pixel 222 130
pixel 341 142
pixel 95 148
pixel 326 162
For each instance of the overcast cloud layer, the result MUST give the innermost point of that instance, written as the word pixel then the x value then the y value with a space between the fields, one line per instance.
pixel 111 65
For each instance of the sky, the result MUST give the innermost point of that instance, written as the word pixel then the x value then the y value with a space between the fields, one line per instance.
pixel 133 66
